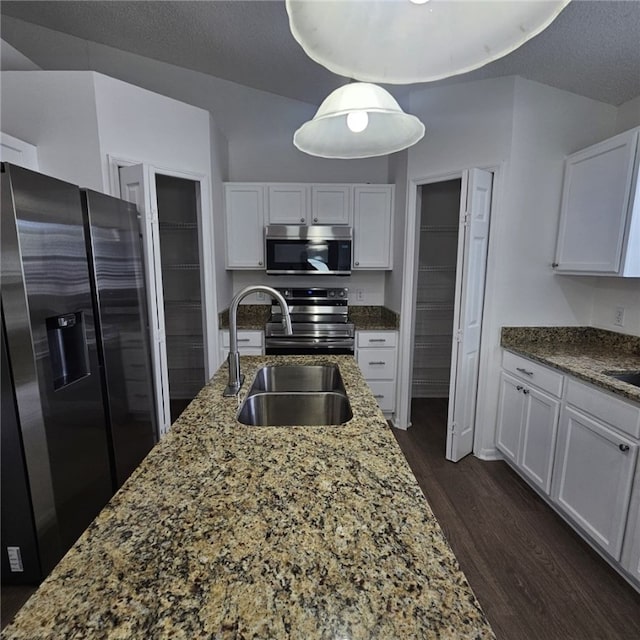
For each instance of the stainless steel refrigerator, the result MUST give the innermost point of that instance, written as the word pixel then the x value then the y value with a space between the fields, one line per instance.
pixel 77 397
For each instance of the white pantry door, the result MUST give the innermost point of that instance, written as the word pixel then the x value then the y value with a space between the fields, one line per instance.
pixel 475 211
pixel 137 186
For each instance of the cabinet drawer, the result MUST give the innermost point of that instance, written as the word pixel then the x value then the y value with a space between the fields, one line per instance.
pixel 533 373
pixel 618 413
pixel 377 364
pixel 377 338
pixel 385 394
pixel 245 339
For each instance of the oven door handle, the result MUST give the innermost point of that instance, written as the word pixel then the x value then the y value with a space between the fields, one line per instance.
pixel 314 342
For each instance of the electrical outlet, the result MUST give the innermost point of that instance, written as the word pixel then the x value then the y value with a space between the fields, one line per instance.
pixel 619 317
pixel 260 295
pixel 360 295
pixel 15 559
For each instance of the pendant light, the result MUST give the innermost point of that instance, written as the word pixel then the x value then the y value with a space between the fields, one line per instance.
pixel 358 120
pixel 408 41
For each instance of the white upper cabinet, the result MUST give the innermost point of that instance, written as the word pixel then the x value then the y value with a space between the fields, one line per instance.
pixel 599 230
pixel 244 207
pixel 368 208
pixel 372 229
pixel 287 203
pixel 309 204
pixel 331 204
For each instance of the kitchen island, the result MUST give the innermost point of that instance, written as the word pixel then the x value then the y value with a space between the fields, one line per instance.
pixel 232 531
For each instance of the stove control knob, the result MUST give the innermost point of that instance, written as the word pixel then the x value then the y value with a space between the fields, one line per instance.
pixel 332 293
pixel 342 294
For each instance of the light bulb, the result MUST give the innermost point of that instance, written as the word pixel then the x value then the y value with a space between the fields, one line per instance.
pixel 357 121
pixel 419 1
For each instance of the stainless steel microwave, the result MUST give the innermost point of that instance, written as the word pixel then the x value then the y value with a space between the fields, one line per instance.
pixel 318 249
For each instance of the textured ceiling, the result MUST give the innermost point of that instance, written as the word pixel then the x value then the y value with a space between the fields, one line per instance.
pixel 592 49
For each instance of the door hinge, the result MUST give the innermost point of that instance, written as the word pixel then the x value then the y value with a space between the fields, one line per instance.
pixel 458 336
pixel 466 218
pixel 453 427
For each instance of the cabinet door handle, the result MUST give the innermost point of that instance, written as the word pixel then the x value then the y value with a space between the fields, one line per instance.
pixel 301 219
pixel 243 340
pixel 357 263
pixel 378 396
pixel 315 219
pixel 623 447
pixel 380 362
pixel 525 391
pixel 519 387
pixel 554 264
pixel 259 263
pixel 526 373
pixel 377 339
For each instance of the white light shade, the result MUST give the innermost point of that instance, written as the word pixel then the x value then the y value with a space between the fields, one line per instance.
pixel 389 128
pixel 400 42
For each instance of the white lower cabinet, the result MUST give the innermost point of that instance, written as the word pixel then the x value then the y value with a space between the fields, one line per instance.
pixel 377 355
pixel 578 445
pixel 250 343
pixel 527 427
pixel 631 546
pixel 593 476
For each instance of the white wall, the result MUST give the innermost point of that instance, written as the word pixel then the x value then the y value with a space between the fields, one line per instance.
pixel 521 287
pixel 467 125
pixel 56 112
pixel 525 130
pixel 393 284
pixel 149 128
pixel 219 173
pixel 371 283
pixel 628 115
pixel 12 60
pixel 258 125
pixel 609 293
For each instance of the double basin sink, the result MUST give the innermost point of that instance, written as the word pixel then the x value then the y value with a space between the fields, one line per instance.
pixel 285 395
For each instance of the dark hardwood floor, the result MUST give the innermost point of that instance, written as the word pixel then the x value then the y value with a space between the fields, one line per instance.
pixel 533 575
pixel 12 599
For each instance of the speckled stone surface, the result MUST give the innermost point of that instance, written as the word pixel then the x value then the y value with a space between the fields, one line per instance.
pixel 250 316
pixel 584 352
pixel 371 318
pixel 230 531
pixel 365 318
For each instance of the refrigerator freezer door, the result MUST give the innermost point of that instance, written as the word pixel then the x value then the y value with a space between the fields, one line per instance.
pixel 44 217
pixel 115 252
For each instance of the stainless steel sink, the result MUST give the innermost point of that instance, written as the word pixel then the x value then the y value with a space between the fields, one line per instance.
pixel 295 408
pixel 324 377
pixel 632 377
pixel 285 395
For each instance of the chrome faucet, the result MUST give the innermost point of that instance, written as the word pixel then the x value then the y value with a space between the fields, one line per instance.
pixel 235 377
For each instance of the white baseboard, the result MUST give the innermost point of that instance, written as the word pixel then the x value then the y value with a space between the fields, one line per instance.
pixel 489 454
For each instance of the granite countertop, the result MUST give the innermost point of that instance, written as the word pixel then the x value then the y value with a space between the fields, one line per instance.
pixel 372 318
pixel 365 318
pixel 250 316
pixel 230 531
pixel 584 352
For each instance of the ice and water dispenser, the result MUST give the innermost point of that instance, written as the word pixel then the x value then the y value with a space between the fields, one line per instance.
pixel 68 348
